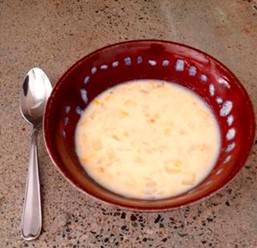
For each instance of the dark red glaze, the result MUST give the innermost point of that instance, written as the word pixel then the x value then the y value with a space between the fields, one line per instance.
pixel 60 122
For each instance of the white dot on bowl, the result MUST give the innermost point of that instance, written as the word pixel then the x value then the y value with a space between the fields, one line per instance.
pixel 115 64
pixel 165 62
pixel 152 62
pixel 83 94
pixel 230 120
pixel 192 70
pixel 78 110
pixel 180 64
pixel 127 61
pixel 219 171
pixel 219 100
pixel 63 133
pixel 209 182
pixel 93 70
pixel 226 108
pixel 203 78
pixel 139 59
pixel 67 109
pixel 227 159
pixel 230 147
pixel 231 134
pixel 212 89
pixel 66 121
pixel 104 67
pixel 224 82
pixel 86 79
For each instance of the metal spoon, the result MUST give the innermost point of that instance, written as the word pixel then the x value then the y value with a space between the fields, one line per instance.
pixel 35 91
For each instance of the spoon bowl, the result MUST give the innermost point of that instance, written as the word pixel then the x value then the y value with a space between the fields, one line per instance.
pixel 35 91
pixel 34 96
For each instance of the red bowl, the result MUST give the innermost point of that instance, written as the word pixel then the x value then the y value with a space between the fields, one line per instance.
pixel 150 59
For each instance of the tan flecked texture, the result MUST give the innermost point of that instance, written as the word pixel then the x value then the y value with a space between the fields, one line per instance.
pixel 53 35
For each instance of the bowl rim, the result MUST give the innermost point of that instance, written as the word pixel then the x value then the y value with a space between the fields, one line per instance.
pixel 199 199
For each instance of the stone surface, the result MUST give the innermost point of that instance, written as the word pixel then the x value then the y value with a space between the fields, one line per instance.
pixel 55 34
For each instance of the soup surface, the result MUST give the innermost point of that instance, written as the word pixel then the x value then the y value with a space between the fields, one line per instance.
pixel 147 139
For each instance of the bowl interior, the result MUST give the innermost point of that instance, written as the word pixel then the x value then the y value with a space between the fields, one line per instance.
pixel 150 59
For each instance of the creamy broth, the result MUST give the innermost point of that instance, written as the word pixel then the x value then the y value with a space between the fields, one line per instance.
pixel 147 139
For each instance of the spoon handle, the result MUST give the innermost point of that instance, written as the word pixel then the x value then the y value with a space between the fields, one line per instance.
pixel 31 223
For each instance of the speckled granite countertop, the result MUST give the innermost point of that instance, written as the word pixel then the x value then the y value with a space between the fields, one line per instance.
pixel 55 34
